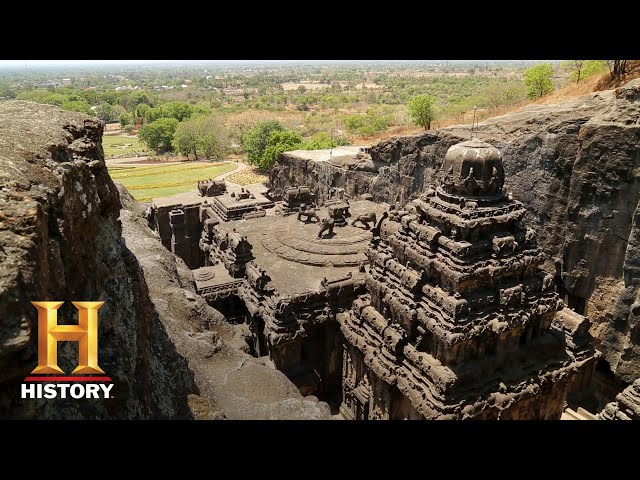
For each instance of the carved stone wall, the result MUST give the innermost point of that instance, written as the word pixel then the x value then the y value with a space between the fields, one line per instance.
pixel 458 319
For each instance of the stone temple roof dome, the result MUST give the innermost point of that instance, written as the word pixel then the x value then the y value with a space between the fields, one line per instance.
pixel 476 159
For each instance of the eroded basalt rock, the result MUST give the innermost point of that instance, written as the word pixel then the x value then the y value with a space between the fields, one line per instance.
pixel 60 239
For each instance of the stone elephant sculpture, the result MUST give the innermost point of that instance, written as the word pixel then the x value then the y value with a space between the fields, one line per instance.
pixel 365 219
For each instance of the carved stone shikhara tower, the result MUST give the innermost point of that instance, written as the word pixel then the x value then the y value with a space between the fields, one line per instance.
pixel 459 321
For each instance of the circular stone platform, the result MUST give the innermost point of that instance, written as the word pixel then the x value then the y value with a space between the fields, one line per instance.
pixel 203 274
pixel 296 241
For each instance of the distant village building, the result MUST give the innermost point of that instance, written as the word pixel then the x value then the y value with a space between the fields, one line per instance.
pixel 48 84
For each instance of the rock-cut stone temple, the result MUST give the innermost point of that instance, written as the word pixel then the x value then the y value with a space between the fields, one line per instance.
pixel 459 320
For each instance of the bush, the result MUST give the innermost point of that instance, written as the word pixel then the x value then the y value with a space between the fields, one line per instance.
pixel 368 123
pixel 323 140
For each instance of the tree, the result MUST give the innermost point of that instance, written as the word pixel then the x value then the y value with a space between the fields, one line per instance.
pixel 201 135
pixel 581 69
pixel 279 141
pixel 77 106
pixel 502 94
pixel 374 121
pixel 140 97
pixel 185 138
pixel 617 68
pixel 89 96
pixel 43 96
pixel 141 113
pixel 592 67
pixel 105 112
pixel 212 139
pixel 421 110
pixel 117 111
pixel 177 110
pixel 158 134
pixel 110 96
pixel 124 98
pixel 538 81
pixel 265 141
pixel 201 109
pixel 126 119
pixel 574 67
pixel 7 91
pixel 254 140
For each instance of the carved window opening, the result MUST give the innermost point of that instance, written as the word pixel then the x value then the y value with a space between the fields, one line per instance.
pixel 426 345
pixel 578 304
pixel 535 327
pixel 491 347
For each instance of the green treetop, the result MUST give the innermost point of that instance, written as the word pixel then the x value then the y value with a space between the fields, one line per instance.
pixel 538 81
pixel 158 134
pixel 421 110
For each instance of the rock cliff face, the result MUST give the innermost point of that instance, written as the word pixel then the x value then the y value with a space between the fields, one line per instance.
pixel 574 165
pixel 60 239
pixel 61 229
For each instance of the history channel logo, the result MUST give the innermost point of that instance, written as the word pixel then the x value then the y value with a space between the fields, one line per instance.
pixel 87 380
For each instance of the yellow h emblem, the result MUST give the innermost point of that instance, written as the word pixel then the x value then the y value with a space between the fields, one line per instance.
pixel 50 333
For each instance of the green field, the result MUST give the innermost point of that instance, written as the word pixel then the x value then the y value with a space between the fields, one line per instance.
pixel 156 181
pixel 120 144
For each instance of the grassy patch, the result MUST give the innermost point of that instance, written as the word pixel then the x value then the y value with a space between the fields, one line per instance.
pixel 146 183
pixel 121 145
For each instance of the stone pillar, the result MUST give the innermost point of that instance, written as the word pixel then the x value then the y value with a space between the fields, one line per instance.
pixel 178 241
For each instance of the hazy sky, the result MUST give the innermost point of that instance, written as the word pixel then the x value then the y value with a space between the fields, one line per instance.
pixel 62 63
pixel 108 62
pixel 33 63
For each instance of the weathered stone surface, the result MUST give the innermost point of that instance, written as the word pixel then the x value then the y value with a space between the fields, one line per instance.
pixel 458 318
pixel 575 167
pixel 231 384
pixel 61 227
pixel 292 283
pixel 626 406
pixel 60 240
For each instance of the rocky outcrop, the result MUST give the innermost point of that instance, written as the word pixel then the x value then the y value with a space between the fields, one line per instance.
pixel 574 165
pixel 61 224
pixel 60 239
